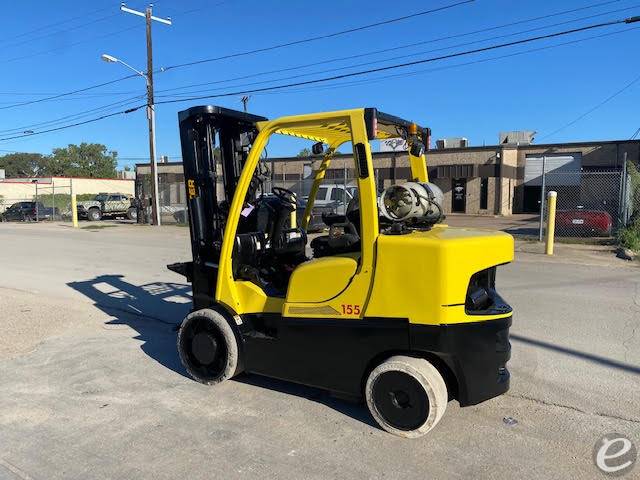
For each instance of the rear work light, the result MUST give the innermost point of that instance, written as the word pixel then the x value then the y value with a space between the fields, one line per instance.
pixel 480 290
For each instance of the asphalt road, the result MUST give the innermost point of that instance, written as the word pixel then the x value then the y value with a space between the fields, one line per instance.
pixel 91 386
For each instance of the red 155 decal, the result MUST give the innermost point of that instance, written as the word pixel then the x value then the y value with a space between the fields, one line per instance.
pixel 348 309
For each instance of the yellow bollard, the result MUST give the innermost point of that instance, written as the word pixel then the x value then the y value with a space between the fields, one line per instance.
pixel 551 220
pixel 74 210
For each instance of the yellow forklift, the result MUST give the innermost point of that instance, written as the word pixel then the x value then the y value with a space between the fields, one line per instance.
pixel 390 306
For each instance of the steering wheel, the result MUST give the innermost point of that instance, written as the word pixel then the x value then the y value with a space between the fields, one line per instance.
pixel 285 195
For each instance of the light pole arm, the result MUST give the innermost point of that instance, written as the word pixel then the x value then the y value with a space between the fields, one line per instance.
pixel 142 74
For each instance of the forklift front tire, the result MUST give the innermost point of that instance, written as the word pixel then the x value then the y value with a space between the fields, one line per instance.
pixel 407 396
pixel 208 347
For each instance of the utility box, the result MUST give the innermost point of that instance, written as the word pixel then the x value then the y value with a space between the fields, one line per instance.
pixel 452 142
pixel 522 137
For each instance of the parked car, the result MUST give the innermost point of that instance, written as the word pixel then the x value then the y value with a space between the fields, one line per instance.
pixel 28 212
pixel 107 205
pixel 583 222
pixel 336 196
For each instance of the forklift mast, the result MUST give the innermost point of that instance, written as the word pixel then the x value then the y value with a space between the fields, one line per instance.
pixel 213 139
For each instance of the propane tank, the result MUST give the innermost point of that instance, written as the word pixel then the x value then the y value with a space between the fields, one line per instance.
pixel 412 200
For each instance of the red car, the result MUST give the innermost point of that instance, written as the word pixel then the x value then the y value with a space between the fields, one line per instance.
pixel 583 222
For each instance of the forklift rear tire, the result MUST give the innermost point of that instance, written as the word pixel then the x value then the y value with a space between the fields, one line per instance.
pixel 407 396
pixel 208 347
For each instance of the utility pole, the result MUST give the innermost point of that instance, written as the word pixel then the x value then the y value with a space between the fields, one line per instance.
pixel 245 100
pixel 151 113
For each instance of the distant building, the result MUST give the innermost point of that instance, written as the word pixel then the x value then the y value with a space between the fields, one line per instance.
pixel 13 190
pixel 489 180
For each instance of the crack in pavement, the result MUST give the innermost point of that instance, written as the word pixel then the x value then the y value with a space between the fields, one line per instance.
pixel 570 407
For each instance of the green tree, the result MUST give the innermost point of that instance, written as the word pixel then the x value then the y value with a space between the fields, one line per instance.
pixel 84 160
pixel 305 152
pixel 21 164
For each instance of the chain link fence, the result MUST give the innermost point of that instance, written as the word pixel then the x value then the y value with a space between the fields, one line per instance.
pixel 41 200
pixel 171 194
pixel 336 191
pixel 589 203
pixel 49 199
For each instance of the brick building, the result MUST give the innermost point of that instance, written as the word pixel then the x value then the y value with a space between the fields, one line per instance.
pixel 489 180
pixel 492 180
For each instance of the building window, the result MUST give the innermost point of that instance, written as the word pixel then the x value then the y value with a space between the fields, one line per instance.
pixel 484 193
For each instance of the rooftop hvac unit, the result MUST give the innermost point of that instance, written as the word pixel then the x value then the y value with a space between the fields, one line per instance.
pixel 452 142
pixel 522 137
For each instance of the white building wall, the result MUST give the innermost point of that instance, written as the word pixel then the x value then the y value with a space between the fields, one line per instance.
pixel 23 189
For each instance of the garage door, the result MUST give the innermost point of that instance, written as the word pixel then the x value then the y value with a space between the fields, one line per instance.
pixel 562 169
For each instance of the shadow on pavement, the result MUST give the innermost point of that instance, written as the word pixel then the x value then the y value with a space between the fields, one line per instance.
pixel 350 408
pixel 607 362
pixel 523 231
pixel 155 310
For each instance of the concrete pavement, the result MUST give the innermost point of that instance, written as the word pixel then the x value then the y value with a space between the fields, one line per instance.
pixel 91 386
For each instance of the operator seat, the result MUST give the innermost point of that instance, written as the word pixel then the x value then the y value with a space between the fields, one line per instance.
pixel 344 233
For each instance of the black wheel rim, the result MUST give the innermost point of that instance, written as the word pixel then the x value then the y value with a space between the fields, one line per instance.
pixel 204 349
pixel 401 400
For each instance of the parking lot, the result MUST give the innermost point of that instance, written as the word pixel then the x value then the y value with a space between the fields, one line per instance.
pixel 91 385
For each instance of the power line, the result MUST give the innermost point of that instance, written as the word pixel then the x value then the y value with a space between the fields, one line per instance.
pixel 387 59
pixel 57 96
pixel 594 108
pixel 65 94
pixel 635 134
pixel 447 67
pixel 319 37
pixel 404 46
pixel 92 120
pixel 80 42
pixel 58 32
pixel 55 24
pixel 233 55
pixel 74 116
pixel 408 64
pixel 349 75
pixel 97 94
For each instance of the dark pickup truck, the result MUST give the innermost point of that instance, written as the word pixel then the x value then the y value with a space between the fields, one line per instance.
pixel 28 212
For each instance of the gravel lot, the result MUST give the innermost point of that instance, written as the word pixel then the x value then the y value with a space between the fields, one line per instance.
pixel 91 385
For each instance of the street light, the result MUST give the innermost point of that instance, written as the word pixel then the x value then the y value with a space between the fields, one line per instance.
pixel 109 58
pixel 151 116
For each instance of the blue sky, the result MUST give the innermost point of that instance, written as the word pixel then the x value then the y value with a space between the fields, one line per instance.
pixel 540 90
